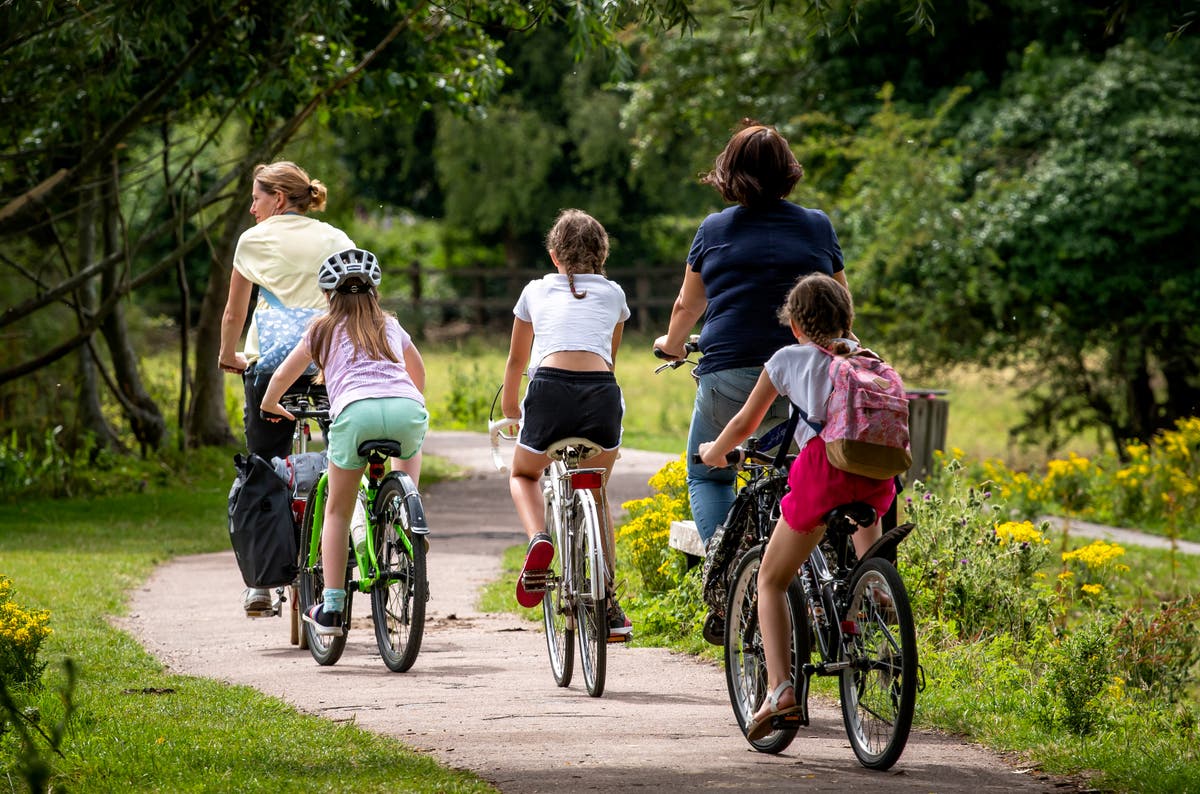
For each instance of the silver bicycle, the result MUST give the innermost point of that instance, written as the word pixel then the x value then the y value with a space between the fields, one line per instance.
pixel 575 606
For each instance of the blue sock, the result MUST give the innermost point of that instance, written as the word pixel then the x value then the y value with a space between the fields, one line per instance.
pixel 335 600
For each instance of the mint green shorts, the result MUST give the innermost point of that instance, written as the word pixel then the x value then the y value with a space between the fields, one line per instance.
pixel 373 419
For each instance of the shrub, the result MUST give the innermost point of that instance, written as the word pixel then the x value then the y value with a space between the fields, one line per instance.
pixel 642 541
pixel 1158 652
pixel 1079 683
pixel 21 634
pixel 967 567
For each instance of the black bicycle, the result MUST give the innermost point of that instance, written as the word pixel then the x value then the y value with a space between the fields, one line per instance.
pixel 850 618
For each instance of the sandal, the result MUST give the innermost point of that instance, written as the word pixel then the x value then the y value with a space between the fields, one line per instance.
pixel 757 729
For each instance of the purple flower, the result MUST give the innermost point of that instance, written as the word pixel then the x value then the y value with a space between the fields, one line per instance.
pixel 927 496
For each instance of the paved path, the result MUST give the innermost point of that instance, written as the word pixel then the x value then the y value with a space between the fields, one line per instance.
pixel 481 696
pixel 1125 537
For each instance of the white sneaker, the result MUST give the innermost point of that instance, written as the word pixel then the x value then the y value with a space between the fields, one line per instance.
pixel 256 599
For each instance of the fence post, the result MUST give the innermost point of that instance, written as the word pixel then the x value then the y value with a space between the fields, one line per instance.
pixel 414 275
pixel 927 419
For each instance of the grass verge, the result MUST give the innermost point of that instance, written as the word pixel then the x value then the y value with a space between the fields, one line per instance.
pixel 137 727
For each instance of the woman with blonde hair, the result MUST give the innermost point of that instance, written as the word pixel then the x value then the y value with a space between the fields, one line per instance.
pixel 279 255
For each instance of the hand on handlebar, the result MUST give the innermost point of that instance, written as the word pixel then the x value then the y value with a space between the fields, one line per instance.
pixel 707 457
pixel 275 412
pixel 505 427
pixel 236 367
pixel 661 351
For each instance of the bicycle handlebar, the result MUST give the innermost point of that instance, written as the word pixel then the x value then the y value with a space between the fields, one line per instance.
pixel 692 345
pixel 741 456
pixel 494 428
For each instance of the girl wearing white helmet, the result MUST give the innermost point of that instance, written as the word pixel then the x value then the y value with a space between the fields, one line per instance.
pixel 375 377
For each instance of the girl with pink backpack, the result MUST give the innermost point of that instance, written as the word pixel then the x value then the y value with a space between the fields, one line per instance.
pixel 820 313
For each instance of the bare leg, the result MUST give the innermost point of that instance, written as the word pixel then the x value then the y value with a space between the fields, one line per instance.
pixel 786 552
pixel 339 506
pixel 411 467
pixel 607 460
pixel 524 483
pixel 866 537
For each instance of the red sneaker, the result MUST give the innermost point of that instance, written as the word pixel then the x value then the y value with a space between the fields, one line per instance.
pixel 537 561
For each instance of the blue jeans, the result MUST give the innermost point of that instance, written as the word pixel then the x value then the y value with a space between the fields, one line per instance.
pixel 719 396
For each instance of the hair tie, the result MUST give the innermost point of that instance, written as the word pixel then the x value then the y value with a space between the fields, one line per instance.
pixel 312 189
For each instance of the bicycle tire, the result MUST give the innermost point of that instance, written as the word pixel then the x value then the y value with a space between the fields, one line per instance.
pixel 590 586
pixel 325 650
pixel 877 699
pixel 745 664
pixel 398 598
pixel 557 608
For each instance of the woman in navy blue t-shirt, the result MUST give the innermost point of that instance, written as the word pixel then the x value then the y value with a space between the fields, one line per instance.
pixel 744 261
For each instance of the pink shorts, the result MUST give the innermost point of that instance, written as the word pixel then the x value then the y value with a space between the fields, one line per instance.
pixel 815 487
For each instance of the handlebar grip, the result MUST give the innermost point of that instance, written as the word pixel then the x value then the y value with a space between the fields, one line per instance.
pixel 660 353
pixel 732 457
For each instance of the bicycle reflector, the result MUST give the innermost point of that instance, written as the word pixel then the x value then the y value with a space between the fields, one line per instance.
pixel 587 480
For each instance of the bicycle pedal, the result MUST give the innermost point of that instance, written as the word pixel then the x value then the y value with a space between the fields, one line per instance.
pixel 537 581
pixel 790 721
pixel 261 613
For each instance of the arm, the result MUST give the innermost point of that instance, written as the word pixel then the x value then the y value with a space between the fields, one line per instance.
pixel 618 329
pixel 232 322
pixel 415 366
pixel 685 313
pixel 292 367
pixel 518 360
pixel 742 424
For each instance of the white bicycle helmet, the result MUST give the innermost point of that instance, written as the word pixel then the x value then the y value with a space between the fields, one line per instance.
pixel 353 263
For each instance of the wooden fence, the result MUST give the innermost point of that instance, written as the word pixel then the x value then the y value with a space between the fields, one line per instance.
pixel 483 297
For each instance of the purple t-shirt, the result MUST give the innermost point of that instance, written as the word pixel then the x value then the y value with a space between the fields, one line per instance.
pixel 350 377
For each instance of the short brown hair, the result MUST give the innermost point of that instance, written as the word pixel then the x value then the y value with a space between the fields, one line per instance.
pixel 302 193
pixel 756 166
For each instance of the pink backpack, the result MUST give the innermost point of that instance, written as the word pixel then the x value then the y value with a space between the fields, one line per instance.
pixel 866 418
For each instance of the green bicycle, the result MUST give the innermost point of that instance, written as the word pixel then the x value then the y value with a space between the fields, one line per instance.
pixel 389 563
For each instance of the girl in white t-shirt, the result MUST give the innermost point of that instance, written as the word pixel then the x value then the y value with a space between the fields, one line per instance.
pixel 820 313
pixel 566 330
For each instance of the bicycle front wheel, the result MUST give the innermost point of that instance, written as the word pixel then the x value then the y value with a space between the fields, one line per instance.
pixel 557 609
pixel 325 649
pixel 590 584
pixel 745 661
pixel 879 688
pixel 398 597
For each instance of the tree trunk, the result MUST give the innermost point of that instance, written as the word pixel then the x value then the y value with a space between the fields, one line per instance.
pixel 144 415
pixel 208 421
pixel 89 416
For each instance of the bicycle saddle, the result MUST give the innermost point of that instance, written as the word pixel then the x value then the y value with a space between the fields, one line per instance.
pixel 585 447
pixel 381 447
pixel 847 519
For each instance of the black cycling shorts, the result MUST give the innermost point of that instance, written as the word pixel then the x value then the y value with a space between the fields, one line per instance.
pixel 562 403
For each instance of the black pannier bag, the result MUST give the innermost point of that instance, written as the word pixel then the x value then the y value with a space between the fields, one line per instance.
pixel 261 528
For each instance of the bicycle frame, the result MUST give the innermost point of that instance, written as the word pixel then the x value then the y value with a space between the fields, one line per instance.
pixel 367 563
pixel 563 481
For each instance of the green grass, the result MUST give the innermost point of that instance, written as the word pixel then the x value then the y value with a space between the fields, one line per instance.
pixel 137 727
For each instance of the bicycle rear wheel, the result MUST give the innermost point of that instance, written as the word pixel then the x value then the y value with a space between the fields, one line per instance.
pixel 745 663
pixel 557 611
pixel 879 689
pixel 398 598
pixel 590 585
pixel 325 650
